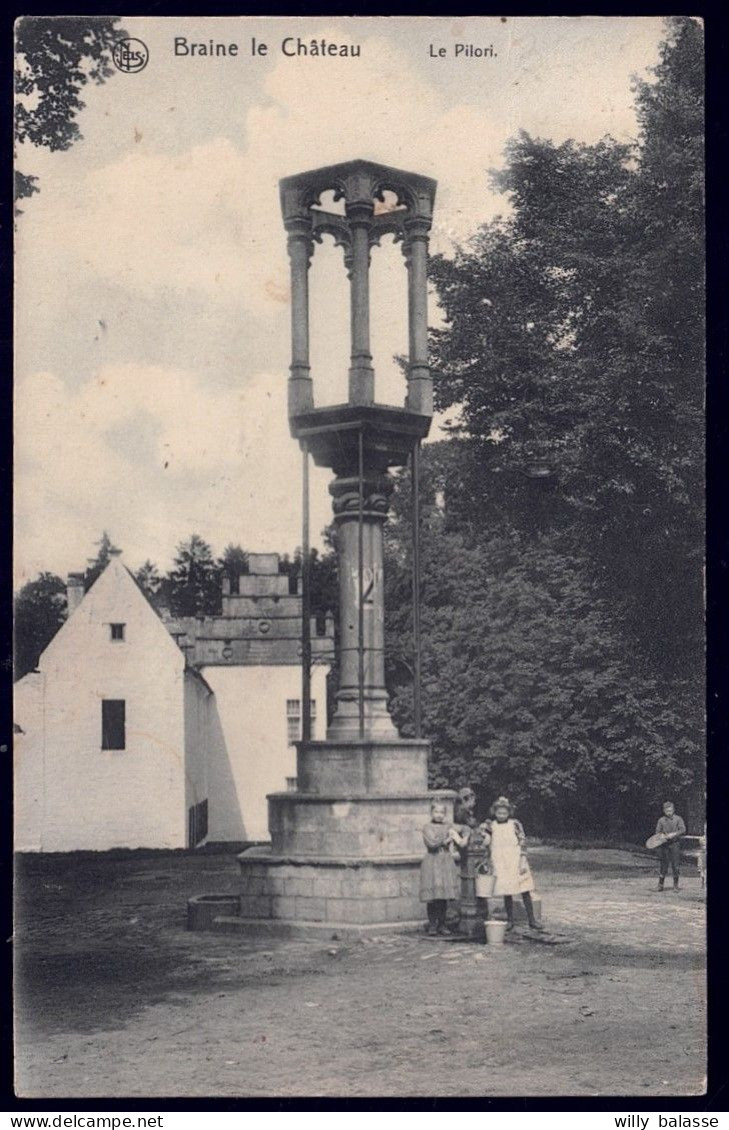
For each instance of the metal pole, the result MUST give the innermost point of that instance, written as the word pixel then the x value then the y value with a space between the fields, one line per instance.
pixel 415 475
pixel 360 584
pixel 305 603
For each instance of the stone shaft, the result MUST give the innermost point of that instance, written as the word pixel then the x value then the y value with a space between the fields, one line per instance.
pixel 361 373
pixel 346 505
pixel 420 385
pixel 301 395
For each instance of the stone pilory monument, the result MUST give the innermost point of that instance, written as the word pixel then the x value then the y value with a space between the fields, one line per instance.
pixel 346 846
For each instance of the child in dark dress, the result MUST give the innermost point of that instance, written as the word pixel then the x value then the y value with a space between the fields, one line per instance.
pixel 439 879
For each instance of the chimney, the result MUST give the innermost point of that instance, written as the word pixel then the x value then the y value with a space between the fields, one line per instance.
pixel 263 564
pixel 74 591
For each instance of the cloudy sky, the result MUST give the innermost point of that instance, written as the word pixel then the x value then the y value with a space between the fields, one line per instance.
pixel 152 279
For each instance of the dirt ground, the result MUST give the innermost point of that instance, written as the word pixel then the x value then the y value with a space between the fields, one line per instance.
pixel 115 998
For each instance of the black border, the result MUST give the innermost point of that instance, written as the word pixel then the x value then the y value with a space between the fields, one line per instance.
pixel 717 55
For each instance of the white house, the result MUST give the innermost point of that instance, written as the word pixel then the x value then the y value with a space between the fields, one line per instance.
pixel 131 736
pixel 250 656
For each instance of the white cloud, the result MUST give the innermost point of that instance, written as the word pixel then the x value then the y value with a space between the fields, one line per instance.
pixel 152 455
pixel 208 218
pixel 165 217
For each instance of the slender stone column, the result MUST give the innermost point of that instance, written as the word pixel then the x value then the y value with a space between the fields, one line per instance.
pixel 361 373
pixel 300 247
pixel 420 383
pixel 377 720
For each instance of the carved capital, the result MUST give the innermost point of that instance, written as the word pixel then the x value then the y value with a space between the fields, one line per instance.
pixel 300 241
pixel 376 491
pixel 360 213
pixel 417 229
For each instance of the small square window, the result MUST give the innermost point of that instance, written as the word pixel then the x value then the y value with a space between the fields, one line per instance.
pixel 117 631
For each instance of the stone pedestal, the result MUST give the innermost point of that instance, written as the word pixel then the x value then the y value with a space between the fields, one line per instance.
pixel 398 766
pixel 322 896
pixel 346 848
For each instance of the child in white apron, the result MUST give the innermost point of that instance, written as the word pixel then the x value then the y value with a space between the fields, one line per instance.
pixel 507 861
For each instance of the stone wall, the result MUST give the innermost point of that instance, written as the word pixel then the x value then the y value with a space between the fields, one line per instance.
pixel 329 891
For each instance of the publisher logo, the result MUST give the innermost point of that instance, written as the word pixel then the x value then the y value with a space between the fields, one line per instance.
pixel 130 55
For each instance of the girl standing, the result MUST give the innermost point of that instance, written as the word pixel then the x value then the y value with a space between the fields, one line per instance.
pixel 439 879
pixel 508 861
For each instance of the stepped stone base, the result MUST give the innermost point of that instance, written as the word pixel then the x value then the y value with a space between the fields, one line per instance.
pixel 310 931
pixel 221 913
pixel 353 891
pixel 345 851
pixel 398 766
pixel 349 825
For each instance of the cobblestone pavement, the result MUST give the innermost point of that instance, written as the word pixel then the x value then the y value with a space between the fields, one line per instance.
pixel 116 998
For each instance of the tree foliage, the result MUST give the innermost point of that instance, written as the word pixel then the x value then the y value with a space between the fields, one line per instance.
pixel 562 612
pixel 40 610
pixel 233 562
pixel 153 584
pixel 526 685
pixel 96 565
pixel 323 579
pixel 574 342
pixel 194 580
pixel 56 56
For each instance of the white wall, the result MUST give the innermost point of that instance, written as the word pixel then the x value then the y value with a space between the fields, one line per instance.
pixel 256 760
pixel 94 799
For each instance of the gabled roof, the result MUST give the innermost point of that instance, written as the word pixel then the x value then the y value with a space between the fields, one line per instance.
pixel 115 579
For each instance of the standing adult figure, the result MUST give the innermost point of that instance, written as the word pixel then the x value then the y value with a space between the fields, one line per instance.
pixel 507 861
pixel 464 811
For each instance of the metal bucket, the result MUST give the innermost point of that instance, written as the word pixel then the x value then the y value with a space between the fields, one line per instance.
pixel 484 885
pixel 495 932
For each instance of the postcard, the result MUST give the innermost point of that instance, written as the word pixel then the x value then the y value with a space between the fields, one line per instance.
pixel 359 734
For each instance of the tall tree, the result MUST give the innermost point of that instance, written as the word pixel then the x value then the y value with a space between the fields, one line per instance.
pixel 40 610
pixel 104 550
pixel 233 562
pixel 323 578
pixel 194 580
pixel 527 687
pixel 573 350
pixel 154 586
pixel 572 355
pixel 56 56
